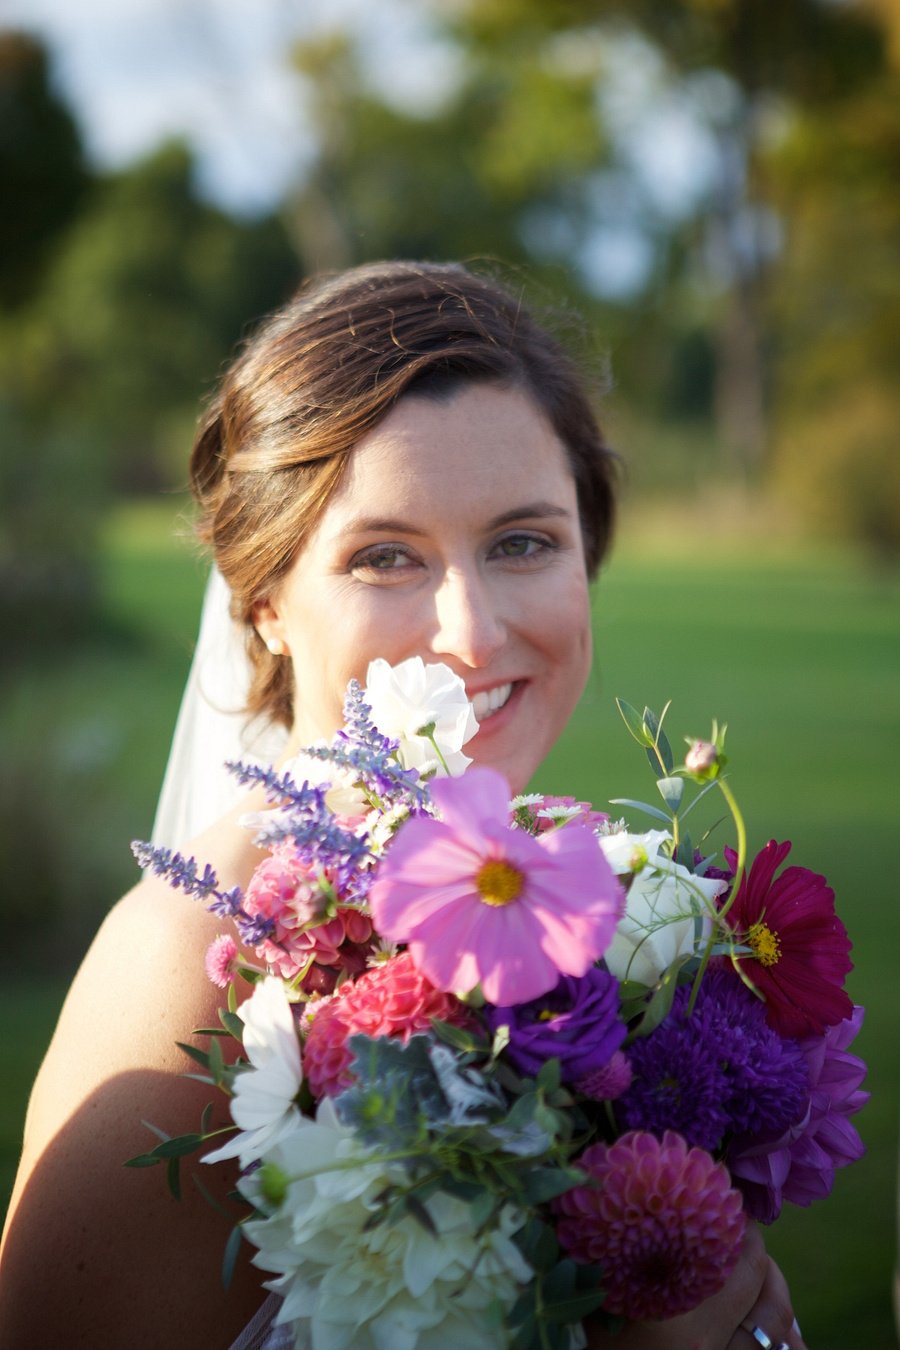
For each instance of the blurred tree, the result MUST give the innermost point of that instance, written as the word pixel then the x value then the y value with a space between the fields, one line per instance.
pixel 146 298
pixel 515 138
pixel 41 167
pixel 838 316
pixel 520 158
pixel 103 370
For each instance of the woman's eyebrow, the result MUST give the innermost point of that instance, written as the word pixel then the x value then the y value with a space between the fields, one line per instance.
pixel 393 525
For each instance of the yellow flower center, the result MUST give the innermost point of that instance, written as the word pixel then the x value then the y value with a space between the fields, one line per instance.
pixel 766 944
pixel 499 883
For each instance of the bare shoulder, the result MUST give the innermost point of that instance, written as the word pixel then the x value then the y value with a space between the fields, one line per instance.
pixel 132 1265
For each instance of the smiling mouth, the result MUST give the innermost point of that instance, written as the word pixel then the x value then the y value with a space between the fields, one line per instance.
pixel 489 701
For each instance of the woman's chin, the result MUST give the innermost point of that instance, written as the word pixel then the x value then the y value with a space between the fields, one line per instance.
pixel 505 740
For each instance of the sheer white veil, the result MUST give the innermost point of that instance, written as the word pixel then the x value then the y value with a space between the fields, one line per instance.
pixel 212 727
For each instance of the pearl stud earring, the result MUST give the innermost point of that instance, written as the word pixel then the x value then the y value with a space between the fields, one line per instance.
pixel 276 646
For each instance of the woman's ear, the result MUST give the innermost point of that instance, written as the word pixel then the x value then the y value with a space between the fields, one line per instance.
pixel 270 626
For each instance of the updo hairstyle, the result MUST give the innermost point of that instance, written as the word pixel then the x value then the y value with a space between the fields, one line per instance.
pixel 320 374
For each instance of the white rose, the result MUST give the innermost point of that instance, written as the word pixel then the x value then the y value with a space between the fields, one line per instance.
pixel 665 907
pixel 409 696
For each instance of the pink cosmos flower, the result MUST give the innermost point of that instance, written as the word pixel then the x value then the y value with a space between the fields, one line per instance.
pixel 662 1221
pixel 393 999
pixel 478 902
pixel 800 947
pixel 220 960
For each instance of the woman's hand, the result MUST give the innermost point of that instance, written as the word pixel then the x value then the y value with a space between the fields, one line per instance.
pixel 755 1295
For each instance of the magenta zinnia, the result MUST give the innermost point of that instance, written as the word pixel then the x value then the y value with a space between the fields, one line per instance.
pixel 799 947
pixel 478 902
pixel 661 1220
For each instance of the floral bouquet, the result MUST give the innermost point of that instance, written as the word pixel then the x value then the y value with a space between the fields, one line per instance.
pixel 507 1064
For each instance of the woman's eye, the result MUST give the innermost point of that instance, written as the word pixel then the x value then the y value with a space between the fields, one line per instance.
pixel 385 558
pixel 522 546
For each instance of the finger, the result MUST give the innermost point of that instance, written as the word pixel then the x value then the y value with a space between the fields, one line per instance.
pixel 770 1323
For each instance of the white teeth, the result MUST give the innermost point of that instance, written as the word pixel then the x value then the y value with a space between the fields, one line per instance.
pixel 489 701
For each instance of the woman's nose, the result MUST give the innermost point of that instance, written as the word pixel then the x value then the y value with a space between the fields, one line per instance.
pixel 468 624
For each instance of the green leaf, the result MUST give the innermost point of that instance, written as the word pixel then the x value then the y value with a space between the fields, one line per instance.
pixel 526 1338
pixel 632 989
pixel 671 790
pixel 634 722
pixel 199 1056
pixel 142 1160
pixel 546 1183
pixel 232 997
pixel 574 1308
pixel 660 1004
pixel 216 1061
pixel 537 1243
pixel 417 1211
pixel 458 1037
pixel 684 853
pixel 179 1147
pixel 642 806
pixel 549 1075
pixel 229 1259
pixel 154 1129
pixel 232 1024
pixel 661 753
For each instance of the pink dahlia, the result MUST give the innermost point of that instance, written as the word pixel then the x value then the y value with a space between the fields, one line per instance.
pixel 662 1222
pixel 393 999
pixel 479 902
pixel 286 891
pixel 800 949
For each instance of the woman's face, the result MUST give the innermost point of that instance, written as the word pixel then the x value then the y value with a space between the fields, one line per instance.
pixel 454 536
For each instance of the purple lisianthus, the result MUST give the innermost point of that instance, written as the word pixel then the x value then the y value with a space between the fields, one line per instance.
pixel 576 1023
pixel 799 1164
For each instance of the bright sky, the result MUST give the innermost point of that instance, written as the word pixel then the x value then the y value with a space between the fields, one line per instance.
pixel 218 72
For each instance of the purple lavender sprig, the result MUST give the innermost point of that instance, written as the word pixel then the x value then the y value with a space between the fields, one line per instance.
pixel 279 787
pixel 371 756
pixel 182 874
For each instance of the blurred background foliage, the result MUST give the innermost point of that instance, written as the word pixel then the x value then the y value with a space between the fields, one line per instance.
pixel 742 309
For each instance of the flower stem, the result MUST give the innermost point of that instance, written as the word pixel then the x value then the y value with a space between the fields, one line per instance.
pixel 741 831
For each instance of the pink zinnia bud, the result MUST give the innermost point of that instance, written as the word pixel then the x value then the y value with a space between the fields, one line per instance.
pixel 664 1223
pixel 701 758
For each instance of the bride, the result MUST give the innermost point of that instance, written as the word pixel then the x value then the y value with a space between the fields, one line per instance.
pixel 400 463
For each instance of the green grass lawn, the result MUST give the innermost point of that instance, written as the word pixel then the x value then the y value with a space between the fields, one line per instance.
pixel 799 653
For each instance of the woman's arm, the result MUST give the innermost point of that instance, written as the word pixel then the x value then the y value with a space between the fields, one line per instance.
pixel 101 1255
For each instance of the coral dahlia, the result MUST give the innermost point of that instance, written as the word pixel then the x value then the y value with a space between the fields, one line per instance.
pixel 662 1221
pixel 392 999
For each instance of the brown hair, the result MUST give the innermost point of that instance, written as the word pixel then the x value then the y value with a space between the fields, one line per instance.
pixel 320 374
